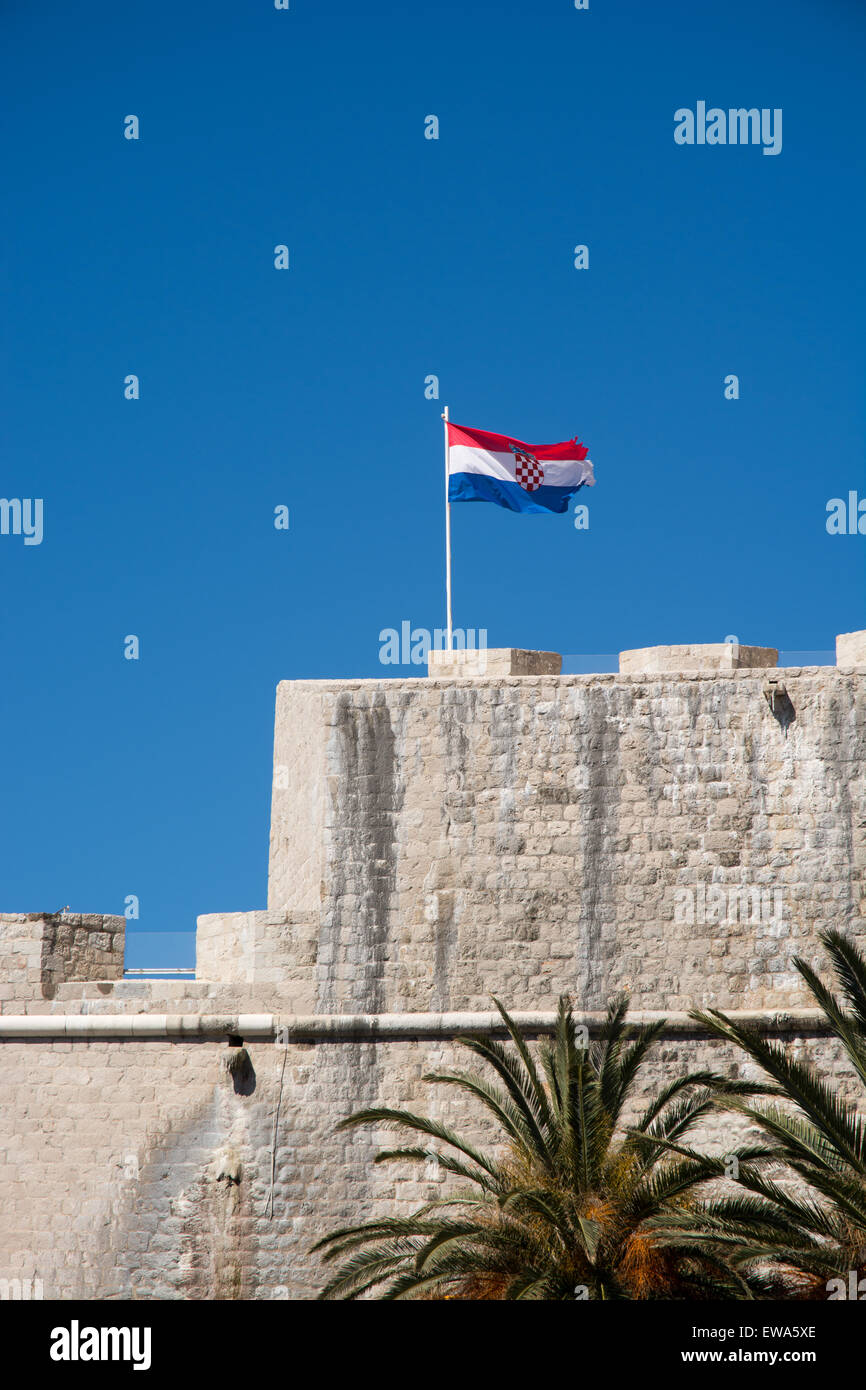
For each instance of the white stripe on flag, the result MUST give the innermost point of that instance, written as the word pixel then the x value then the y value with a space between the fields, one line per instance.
pixel 557 472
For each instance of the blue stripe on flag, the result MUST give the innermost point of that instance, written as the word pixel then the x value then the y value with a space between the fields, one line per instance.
pixel 480 487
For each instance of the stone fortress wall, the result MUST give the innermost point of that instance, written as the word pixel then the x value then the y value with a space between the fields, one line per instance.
pixel 680 830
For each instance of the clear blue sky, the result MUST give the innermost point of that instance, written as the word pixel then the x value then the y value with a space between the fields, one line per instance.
pixel 306 387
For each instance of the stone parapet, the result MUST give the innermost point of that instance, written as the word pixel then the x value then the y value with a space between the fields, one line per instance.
pixel 261 948
pixel 851 649
pixel 491 663
pixel 41 950
pixel 706 657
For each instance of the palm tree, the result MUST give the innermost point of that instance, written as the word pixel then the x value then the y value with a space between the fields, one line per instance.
pixel 564 1208
pixel 805 1226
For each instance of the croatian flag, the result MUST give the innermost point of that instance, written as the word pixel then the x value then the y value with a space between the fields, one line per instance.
pixel 485 467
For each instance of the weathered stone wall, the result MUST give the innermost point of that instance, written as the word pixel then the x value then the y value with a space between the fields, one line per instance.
pixel 432 842
pixel 137 1170
pixel 273 951
pixel 536 835
pixel 38 950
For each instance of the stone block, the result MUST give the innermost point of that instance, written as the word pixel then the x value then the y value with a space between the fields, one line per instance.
pixel 492 663
pixel 851 649
pixel 45 950
pixel 711 658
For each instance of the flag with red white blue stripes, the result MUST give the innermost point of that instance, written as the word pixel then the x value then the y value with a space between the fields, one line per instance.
pixel 487 467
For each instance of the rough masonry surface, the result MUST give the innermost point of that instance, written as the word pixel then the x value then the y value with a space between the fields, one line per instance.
pixel 434 842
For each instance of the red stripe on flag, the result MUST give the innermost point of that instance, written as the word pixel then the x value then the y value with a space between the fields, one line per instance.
pixel 501 444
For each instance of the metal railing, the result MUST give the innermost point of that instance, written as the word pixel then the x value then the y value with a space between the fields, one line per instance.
pixel 158 970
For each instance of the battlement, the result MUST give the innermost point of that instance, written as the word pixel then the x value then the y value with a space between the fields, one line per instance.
pixel 41 950
pixel 716 657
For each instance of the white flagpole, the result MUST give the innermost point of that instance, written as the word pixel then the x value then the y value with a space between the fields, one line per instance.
pixel 447 533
